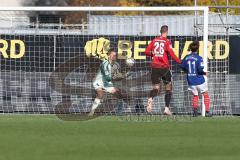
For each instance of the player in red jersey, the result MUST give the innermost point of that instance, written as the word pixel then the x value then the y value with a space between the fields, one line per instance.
pixel 158 49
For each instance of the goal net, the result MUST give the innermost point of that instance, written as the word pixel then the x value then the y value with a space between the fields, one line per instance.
pixel 50 57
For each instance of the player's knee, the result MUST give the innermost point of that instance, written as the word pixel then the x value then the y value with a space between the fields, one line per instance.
pixel 168 87
pixel 157 87
pixel 154 93
pixel 205 94
pixel 168 94
pixel 112 90
pixel 99 94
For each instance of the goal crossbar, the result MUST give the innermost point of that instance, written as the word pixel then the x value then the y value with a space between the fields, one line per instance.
pixel 43 8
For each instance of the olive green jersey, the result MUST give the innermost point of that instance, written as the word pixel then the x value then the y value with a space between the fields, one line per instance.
pixel 104 75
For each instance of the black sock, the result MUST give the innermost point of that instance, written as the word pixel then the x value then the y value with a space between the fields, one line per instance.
pixel 168 96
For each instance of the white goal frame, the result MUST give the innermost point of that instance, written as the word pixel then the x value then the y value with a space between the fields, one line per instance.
pixel 204 9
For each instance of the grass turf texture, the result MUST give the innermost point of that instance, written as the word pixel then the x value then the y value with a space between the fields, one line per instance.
pixel 47 137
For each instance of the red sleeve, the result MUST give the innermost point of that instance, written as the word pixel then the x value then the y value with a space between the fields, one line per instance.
pixel 149 49
pixel 171 52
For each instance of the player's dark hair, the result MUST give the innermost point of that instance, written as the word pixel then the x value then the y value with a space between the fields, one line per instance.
pixel 110 51
pixel 164 29
pixel 194 46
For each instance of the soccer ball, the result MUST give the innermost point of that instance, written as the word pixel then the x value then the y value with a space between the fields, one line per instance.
pixel 130 62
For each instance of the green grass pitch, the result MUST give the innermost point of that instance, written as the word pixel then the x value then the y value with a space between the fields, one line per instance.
pixel 48 138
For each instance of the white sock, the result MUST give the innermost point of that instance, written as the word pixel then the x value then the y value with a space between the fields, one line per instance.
pixel 96 103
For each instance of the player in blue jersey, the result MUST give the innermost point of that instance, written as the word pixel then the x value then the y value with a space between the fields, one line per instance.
pixel 192 64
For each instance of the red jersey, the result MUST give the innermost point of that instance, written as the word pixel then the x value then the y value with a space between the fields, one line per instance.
pixel 158 50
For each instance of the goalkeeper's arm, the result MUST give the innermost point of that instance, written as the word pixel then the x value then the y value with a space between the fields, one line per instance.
pixel 118 75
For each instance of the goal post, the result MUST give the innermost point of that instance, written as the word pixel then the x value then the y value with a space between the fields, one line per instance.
pixel 205 57
pixel 53 39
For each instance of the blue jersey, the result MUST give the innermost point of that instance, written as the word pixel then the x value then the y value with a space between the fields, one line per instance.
pixel 193 65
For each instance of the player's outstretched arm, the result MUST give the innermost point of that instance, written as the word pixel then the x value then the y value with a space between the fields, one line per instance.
pixel 184 65
pixel 172 54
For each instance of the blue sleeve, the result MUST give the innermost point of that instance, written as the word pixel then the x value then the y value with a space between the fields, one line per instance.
pixel 200 66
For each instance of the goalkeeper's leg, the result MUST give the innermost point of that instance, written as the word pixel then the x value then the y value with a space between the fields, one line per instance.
pixel 121 95
pixel 97 102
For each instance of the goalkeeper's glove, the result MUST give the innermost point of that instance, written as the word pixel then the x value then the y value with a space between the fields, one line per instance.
pixel 127 74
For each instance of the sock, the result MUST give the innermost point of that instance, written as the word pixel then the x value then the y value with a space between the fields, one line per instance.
pixel 168 96
pixel 207 102
pixel 195 102
pixel 96 103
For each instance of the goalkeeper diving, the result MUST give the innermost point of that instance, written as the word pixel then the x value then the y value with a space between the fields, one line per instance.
pixel 108 72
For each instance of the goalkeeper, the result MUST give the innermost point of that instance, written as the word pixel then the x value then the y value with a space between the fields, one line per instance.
pixel 193 65
pixel 103 82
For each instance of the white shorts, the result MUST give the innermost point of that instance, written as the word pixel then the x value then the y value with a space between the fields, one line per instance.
pixel 100 85
pixel 202 88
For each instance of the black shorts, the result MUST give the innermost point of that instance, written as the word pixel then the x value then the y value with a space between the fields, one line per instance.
pixel 159 74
